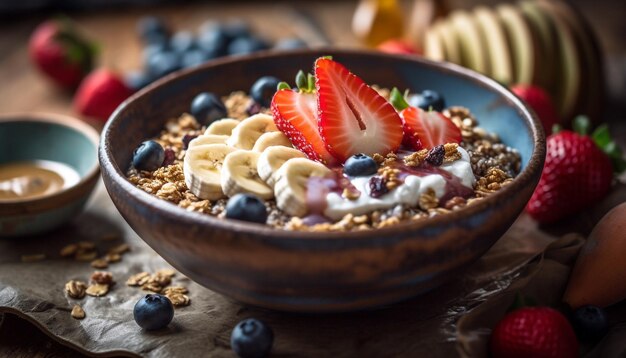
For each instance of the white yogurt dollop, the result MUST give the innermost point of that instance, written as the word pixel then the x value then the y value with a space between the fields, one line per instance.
pixel 408 192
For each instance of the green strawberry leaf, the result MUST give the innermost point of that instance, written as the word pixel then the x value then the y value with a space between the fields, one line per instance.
pixel 282 86
pixel 581 125
pixel 602 137
pixel 311 81
pixel 521 301
pixel 556 128
pixel 301 81
pixel 397 100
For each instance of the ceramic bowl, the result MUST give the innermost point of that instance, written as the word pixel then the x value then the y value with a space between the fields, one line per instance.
pixel 25 137
pixel 315 272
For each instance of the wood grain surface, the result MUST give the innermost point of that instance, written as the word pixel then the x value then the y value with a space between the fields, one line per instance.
pixel 23 89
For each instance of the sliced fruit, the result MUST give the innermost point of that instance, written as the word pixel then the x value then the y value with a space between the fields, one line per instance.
pixel 295 114
pixel 522 44
pixel 433 45
pixel 239 175
pixel 473 48
pixel 246 133
pixel 449 40
pixel 546 37
pixel 269 139
pixel 208 139
pixel 222 127
pixel 272 159
pixel 427 129
pixel 497 46
pixel 291 188
pixel 353 117
pixel 202 168
pixel 570 67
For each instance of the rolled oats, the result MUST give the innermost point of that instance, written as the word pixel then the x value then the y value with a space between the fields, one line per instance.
pixel 75 289
pixel 175 289
pixel 152 286
pixel 138 279
pixel 100 263
pixel 69 250
pixel 97 290
pixel 86 256
pixel 119 249
pixel 166 272
pixel 112 258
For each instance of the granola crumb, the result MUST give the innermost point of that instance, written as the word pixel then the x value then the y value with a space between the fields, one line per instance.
pixel 78 312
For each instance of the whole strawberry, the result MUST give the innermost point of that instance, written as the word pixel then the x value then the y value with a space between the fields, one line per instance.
pixel 61 53
pixel 538 332
pixel 576 174
pixel 100 93
pixel 540 101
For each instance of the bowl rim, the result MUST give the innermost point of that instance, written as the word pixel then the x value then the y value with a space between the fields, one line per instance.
pixel 535 162
pixel 72 123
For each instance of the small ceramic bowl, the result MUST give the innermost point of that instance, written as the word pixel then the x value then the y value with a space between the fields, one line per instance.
pixel 26 137
pixel 307 271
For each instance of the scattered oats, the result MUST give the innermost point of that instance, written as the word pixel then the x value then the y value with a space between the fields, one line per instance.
pixel 138 279
pixel 112 258
pixel 166 272
pixel 102 277
pixel 86 245
pixel 69 250
pixel 97 290
pixel 33 257
pixel 152 286
pixel 179 299
pixel 78 312
pixel 86 256
pixel 175 289
pixel 119 249
pixel 100 263
pixel 75 289
pixel 160 279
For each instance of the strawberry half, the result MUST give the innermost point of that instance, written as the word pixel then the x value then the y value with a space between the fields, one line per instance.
pixel 353 118
pixel 295 114
pixel 427 129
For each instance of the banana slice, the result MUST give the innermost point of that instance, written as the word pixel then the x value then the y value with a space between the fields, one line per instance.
pixel 222 127
pixel 250 129
pixel 269 139
pixel 272 159
pixel 239 175
pixel 290 189
pixel 202 168
pixel 208 139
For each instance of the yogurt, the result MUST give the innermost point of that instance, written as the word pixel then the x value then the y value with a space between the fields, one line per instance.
pixel 408 192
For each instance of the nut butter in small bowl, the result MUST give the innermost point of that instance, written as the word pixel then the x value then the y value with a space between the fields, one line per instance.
pixel 48 168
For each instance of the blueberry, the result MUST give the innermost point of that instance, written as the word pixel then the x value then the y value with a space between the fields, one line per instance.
pixel 590 323
pixel 137 80
pixel 163 63
pixel 153 311
pixel 428 99
pixel 236 29
pixel 206 107
pixel 152 50
pixel 148 156
pixel 194 58
pixel 246 45
pixel 214 42
pixel 252 338
pixel 290 44
pixel 263 90
pixel 360 165
pixel 246 207
pixel 151 29
pixel 182 41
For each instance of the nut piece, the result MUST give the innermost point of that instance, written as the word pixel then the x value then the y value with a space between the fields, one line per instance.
pixel 99 263
pixel 69 250
pixel 112 258
pixel 138 279
pixel 33 258
pixel 160 279
pixel 152 286
pixel 75 289
pixel 179 299
pixel 119 249
pixel 86 256
pixel 78 312
pixel 102 277
pixel 86 245
pixel 97 290
pixel 175 289
pixel 166 272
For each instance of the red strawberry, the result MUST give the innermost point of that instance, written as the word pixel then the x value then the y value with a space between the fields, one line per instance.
pixel 427 129
pixel 59 52
pixel 100 93
pixel 397 47
pixel 538 332
pixel 540 102
pixel 353 118
pixel 575 175
pixel 295 114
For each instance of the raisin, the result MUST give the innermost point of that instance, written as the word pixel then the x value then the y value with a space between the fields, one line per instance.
pixel 169 157
pixel 378 187
pixel 435 155
pixel 186 139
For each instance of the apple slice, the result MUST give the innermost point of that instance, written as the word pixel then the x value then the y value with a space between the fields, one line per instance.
pixel 569 77
pixel 523 45
pixel 450 41
pixel 473 48
pixel 492 32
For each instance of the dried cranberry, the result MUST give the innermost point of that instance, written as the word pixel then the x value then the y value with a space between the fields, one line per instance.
pixel 253 108
pixel 186 139
pixel 378 187
pixel 435 155
pixel 170 157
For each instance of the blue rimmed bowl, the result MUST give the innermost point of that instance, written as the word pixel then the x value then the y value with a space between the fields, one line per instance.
pixel 316 272
pixel 38 136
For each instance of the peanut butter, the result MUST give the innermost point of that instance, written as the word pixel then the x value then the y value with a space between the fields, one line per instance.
pixel 32 179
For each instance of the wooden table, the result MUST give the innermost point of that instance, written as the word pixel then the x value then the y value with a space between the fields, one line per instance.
pixel 24 90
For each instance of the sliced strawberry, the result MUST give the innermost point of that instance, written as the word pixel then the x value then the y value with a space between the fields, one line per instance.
pixel 427 129
pixel 353 118
pixel 295 114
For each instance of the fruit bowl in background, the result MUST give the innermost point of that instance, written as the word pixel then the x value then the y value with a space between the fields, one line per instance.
pixel 320 272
